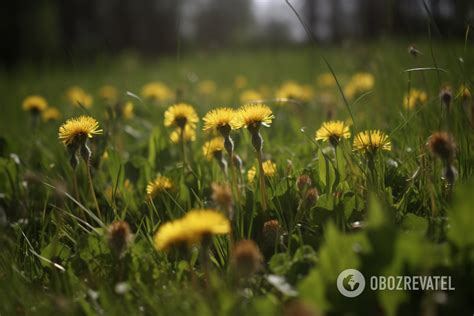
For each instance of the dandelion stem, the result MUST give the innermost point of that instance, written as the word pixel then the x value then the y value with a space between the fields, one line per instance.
pixel 262 180
pixel 183 148
pixel 74 183
pixel 91 187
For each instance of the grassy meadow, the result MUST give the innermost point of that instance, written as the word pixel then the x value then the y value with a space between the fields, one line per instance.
pixel 402 206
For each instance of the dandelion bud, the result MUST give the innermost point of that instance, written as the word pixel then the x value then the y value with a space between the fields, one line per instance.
pixel 302 182
pixel 446 96
pixel 271 233
pixel 413 51
pixel 442 145
pixel 246 258
pixel 312 196
pixel 119 237
pixel 222 196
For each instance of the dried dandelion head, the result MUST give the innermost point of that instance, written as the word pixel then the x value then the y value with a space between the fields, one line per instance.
pixel 303 182
pixel 119 237
pixel 442 145
pixel 311 196
pixel 222 196
pixel 271 232
pixel 246 258
pixel 446 95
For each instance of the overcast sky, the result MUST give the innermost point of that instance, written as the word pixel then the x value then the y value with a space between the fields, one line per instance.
pixel 267 10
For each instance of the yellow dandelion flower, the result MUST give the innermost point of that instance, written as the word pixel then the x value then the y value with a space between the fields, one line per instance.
pixel 51 114
pixel 371 141
pixel 78 97
pixel 220 117
pixel 127 110
pixel 181 115
pixel 170 234
pixel 414 98
pixel 78 129
pixel 158 185
pixel 350 90
pixel 108 93
pixel 292 90
pixel 269 168
pixel 207 87
pixel 205 222
pixel 250 96
pixel 464 92
pixel 35 103
pixel 251 174
pixel 254 115
pixel 189 135
pixel 191 229
pixel 157 92
pixel 333 131
pixel 210 148
pixel 326 80
pixel 359 83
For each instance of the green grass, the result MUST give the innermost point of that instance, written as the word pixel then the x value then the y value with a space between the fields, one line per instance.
pixel 413 222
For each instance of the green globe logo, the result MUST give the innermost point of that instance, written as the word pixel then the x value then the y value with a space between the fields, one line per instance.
pixel 350 283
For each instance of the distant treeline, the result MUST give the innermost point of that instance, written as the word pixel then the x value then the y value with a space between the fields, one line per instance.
pixel 39 30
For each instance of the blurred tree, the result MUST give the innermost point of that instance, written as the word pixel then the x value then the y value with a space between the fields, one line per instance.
pixel 222 22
